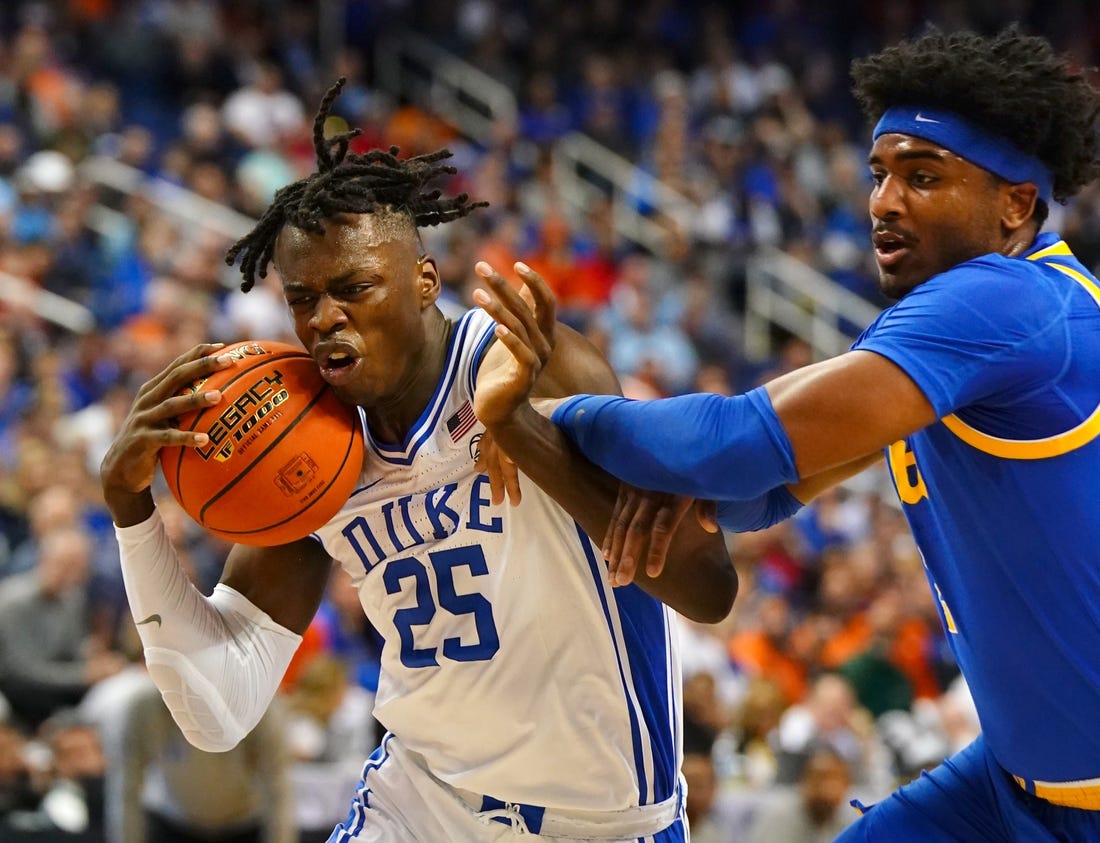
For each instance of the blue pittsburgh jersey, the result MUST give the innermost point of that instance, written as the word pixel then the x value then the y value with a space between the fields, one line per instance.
pixel 1002 492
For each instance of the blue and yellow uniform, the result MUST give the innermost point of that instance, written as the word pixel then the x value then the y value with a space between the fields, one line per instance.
pixel 1001 495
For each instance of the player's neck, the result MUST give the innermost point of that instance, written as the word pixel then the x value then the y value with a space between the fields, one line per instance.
pixel 392 420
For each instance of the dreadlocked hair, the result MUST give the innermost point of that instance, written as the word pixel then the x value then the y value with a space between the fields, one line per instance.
pixel 1011 85
pixel 349 184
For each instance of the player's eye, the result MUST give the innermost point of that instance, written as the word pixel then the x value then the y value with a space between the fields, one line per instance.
pixel 300 304
pixel 353 290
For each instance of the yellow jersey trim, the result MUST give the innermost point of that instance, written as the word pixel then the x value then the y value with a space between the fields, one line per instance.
pixel 1050 446
pixel 1084 794
pixel 1059 248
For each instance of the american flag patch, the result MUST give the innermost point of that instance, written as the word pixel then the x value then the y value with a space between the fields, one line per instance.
pixel 460 423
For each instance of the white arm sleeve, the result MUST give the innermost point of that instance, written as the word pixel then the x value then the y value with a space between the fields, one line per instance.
pixel 217 660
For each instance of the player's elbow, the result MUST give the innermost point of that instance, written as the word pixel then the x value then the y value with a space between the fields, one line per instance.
pixel 713 594
pixel 210 741
pixel 195 704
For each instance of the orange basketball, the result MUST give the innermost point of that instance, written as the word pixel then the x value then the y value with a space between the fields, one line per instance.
pixel 284 451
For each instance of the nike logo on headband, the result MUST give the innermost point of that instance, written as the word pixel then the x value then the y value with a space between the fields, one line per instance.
pixel 920 118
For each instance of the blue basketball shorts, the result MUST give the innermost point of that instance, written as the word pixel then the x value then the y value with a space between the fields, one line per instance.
pixel 970 798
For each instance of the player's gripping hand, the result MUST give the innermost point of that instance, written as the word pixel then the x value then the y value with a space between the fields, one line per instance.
pixel 525 332
pixel 641 527
pixel 131 462
pixel 502 472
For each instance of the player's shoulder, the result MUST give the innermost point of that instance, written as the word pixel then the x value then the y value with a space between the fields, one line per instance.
pixel 996 285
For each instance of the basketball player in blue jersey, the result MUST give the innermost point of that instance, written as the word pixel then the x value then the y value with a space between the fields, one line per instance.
pixel 981 386
pixel 521 693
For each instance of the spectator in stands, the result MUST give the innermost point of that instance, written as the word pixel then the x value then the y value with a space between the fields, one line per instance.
pixel 832 718
pixel 170 792
pixel 262 113
pixel 73 786
pixel 46 660
pixel 711 816
pixel 754 723
pixel 330 731
pixel 764 649
pixel 813 812
pixel 16 794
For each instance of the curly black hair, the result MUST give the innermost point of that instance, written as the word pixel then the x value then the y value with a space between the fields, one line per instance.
pixel 376 181
pixel 1011 85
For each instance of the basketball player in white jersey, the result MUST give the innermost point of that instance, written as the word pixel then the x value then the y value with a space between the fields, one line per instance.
pixel 521 693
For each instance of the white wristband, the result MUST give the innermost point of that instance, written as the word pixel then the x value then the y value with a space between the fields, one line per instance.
pixel 217 660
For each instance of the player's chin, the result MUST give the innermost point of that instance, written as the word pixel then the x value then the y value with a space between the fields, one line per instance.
pixel 353 394
pixel 894 285
pixel 364 392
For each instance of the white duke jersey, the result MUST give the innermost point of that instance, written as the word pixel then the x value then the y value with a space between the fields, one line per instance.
pixel 509 663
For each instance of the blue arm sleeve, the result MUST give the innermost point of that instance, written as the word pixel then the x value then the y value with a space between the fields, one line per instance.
pixel 706 446
pixel 759 513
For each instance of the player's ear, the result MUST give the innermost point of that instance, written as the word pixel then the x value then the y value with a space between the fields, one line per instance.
pixel 1019 204
pixel 428 281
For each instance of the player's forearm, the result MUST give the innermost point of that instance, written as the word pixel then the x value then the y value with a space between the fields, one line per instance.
pixel 698 581
pixel 542 452
pixel 704 446
pixel 782 502
pixel 217 660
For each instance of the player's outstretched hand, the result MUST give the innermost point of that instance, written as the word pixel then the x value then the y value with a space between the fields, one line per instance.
pixel 641 527
pixel 525 332
pixel 131 462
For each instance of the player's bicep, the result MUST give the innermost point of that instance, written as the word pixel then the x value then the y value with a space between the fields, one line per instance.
pixel 847 408
pixel 287 582
pixel 576 366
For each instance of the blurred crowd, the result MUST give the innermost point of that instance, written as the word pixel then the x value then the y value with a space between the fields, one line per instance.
pixel 831 679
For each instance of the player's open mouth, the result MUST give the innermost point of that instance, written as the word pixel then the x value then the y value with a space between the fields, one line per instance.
pixel 889 248
pixel 338 368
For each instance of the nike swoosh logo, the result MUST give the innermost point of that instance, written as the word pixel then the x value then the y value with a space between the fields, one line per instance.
pixel 150 619
pixel 920 118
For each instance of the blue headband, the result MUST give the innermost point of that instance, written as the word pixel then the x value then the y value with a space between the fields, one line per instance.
pixel 966 140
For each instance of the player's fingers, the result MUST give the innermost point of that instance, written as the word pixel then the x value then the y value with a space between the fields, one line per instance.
pixel 504 292
pixel 189 377
pixel 636 540
pixel 177 405
pixel 511 479
pixel 615 537
pixel 512 303
pixel 505 319
pixel 196 353
pixel 526 295
pixel 541 343
pixel 670 513
pixel 168 437
pixel 608 543
pixel 706 513
pixel 491 455
pixel 544 303
pixel 520 350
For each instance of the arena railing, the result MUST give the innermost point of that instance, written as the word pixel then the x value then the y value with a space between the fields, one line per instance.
pixel 781 290
pixel 26 296
pixel 789 293
pixel 176 202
